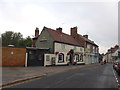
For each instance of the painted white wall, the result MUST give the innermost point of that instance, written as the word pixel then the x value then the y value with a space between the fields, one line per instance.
pixel 26 58
pixel 64 48
pixel 48 59
pixel 115 53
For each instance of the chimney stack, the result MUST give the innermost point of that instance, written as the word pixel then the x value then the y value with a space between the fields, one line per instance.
pixel 86 36
pixel 36 31
pixel 59 29
pixel 116 47
pixel 73 31
pixel 92 41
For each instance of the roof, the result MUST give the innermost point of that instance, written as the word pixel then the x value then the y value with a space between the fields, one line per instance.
pixel 112 50
pixel 115 53
pixel 88 40
pixel 61 37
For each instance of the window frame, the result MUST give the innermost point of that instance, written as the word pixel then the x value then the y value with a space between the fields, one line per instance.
pixel 62 58
pixel 77 58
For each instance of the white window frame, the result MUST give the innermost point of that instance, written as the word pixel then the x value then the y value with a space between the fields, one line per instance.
pixel 77 58
pixel 62 58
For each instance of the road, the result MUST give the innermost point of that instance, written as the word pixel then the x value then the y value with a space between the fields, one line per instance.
pixel 100 76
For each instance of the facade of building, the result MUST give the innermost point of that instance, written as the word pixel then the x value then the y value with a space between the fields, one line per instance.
pixel 65 48
pixel 116 54
pixel 112 54
pixel 91 50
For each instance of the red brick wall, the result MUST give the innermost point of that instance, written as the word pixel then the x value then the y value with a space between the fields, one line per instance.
pixel 13 56
pixel 33 42
pixel 91 48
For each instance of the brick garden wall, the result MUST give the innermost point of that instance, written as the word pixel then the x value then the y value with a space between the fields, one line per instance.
pixel 12 56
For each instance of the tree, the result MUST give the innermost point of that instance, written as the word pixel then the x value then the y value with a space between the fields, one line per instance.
pixel 13 38
pixel 28 42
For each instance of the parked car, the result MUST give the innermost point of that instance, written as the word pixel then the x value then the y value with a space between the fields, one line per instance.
pixel 116 66
pixel 101 62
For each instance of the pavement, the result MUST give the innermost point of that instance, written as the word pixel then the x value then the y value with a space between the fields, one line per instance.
pixel 12 75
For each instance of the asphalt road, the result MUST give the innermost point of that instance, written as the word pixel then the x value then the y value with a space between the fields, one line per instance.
pixel 100 76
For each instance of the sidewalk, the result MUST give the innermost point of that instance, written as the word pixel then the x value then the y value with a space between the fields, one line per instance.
pixel 11 75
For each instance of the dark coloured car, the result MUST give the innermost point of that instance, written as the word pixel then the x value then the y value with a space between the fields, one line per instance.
pixel 116 66
pixel 115 63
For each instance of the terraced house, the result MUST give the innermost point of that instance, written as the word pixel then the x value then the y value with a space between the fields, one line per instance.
pixel 91 50
pixel 65 49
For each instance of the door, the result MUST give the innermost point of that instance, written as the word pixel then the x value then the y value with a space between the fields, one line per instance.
pixel 71 59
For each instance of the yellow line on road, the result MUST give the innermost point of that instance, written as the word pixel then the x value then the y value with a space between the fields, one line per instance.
pixel 18 83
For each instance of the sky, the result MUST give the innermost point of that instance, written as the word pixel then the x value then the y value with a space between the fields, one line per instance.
pixel 97 18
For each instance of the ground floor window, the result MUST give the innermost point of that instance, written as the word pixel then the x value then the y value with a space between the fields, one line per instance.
pixel 81 57
pixel 77 58
pixel 61 58
pixel 47 57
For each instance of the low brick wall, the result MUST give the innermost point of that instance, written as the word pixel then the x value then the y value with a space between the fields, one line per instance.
pixel 12 56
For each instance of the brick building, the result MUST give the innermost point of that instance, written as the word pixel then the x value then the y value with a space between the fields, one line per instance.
pixel 61 44
pixel 91 50
pixel 112 53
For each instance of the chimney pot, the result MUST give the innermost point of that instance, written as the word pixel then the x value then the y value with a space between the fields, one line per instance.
pixel 86 36
pixel 59 29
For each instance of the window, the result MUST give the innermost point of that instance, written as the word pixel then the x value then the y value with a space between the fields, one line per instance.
pixel 61 58
pixel 118 54
pixel 81 57
pixel 77 58
pixel 53 60
pixel 47 57
pixel 93 49
pixel 81 49
pixel 88 47
pixel 74 47
pixel 67 58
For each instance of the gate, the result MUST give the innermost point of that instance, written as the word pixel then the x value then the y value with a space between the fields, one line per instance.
pixel 36 57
